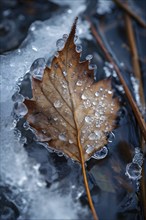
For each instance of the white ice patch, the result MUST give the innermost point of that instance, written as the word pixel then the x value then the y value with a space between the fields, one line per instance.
pixel 17 170
pixel 104 6
pixel 135 84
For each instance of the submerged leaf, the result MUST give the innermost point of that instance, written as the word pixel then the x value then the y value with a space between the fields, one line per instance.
pixel 69 110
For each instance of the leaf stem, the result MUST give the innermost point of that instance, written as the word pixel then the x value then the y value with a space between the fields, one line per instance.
pixel 134 107
pixel 86 181
pixel 130 12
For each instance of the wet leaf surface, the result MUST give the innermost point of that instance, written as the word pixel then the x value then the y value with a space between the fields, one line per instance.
pixel 69 110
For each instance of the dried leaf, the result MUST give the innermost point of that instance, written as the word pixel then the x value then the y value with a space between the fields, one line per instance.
pixel 70 111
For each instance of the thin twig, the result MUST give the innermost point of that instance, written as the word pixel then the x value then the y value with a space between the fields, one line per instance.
pixel 134 107
pixel 130 12
pixel 135 59
pixel 137 72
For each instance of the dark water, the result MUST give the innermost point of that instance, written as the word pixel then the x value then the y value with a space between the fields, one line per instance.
pixel 115 196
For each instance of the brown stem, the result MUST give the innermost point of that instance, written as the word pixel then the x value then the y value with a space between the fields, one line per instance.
pixel 135 59
pixel 134 107
pixel 130 12
pixel 86 181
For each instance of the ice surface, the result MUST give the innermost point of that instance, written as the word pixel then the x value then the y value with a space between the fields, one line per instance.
pixel 17 170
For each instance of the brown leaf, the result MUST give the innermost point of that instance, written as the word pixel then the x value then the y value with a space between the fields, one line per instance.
pixel 70 111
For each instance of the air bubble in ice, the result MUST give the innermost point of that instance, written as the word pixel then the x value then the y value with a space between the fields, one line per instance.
pixel 20 109
pixel 57 104
pixel 79 48
pixel 17 97
pixel 60 44
pixel 62 137
pixel 100 154
pixel 37 68
pixel 34 48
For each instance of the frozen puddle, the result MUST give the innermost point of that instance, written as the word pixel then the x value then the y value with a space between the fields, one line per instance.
pixel 18 171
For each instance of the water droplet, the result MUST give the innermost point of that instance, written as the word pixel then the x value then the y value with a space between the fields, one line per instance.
pixel 100 154
pixel 96 93
pixel 111 137
pixel 79 83
pixel 83 97
pixel 89 119
pixel 64 84
pixel 64 73
pixel 56 54
pixel 94 135
pixel 65 36
pixel 89 149
pixel 70 65
pixel 17 97
pixel 37 68
pixel 133 171
pixel 75 38
pixel 78 48
pixel 62 137
pixel 70 141
pixel 26 125
pixel 55 119
pixel 60 154
pixel 92 67
pixel 110 92
pixel 60 44
pixel 20 109
pixel 87 104
pixel 58 104
pixel 89 57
